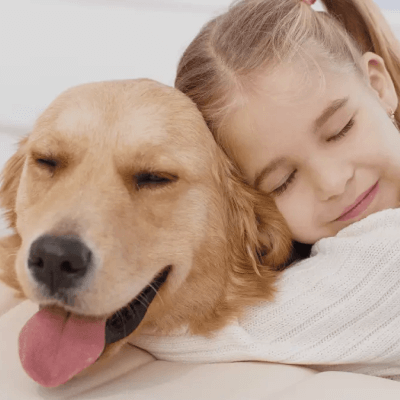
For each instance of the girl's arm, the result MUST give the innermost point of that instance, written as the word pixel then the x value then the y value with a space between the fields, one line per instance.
pixel 337 310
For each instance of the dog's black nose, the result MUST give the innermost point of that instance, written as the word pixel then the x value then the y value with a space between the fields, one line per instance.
pixel 59 261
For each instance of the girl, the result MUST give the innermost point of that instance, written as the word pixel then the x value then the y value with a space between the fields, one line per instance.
pixel 303 108
pixel 306 104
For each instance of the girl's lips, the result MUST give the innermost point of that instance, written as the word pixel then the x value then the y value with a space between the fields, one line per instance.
pixel 361 204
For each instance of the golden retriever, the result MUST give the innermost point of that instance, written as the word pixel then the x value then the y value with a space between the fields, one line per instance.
pixel 122 203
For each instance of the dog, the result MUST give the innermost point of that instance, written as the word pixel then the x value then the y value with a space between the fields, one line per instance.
pixel 128 216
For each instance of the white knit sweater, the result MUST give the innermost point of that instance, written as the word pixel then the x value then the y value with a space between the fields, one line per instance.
pixel 337 310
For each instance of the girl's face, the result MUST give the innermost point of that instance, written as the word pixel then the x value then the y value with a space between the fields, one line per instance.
pixel 329 156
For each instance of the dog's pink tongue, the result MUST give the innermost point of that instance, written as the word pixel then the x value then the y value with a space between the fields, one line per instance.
pixel 54 347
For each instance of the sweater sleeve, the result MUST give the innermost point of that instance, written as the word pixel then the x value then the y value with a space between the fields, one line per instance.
pixel 337 310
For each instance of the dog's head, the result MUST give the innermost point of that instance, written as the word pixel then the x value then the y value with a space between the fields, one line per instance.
pixel 123 203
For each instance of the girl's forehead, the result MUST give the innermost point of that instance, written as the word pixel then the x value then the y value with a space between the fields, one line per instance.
pixel 299 91
pixel 295 84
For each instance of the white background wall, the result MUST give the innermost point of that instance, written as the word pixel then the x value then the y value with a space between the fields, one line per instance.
pixel 47 46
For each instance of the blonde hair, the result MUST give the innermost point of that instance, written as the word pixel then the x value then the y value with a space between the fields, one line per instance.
pixel 254 34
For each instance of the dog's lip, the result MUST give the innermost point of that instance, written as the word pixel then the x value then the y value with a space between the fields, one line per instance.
pixel 124 321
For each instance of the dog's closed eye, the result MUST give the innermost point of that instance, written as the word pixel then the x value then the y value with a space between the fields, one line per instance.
pixel 153 180
pixel 46 162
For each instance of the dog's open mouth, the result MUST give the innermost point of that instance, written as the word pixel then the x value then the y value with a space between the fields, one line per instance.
pixel 127 319
pixel 55 345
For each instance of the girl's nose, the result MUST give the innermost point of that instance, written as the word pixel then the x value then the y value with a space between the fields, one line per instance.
pixel 330 178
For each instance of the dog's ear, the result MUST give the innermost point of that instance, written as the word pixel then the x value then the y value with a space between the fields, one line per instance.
pixel 9 245
pixel 259 237
pixel 274 243
pixel 263 230
pixel 10 178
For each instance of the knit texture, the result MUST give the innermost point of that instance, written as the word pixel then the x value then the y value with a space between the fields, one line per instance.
pixel 337 310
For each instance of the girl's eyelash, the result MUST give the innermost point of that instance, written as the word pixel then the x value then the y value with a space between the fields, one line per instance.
pixel 343 132
pixel 283 187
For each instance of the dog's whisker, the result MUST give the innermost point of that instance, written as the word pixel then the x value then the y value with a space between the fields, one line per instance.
pixel 122 321
pixel 131 308
pixel 143 301
pixel 11 255
pixel 145 283
pixel 157 293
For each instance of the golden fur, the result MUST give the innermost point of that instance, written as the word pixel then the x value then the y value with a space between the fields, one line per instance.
pixel 207 223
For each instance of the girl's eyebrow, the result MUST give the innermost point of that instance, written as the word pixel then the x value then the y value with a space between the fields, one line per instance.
pixel 270 167
pixel 329 111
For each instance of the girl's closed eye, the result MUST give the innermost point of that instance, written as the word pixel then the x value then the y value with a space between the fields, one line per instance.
pixel 343 132
pixel 282 188
pixel 279 190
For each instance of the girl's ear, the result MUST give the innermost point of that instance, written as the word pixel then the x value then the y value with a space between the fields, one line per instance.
pixel 10 178
pixel 380 80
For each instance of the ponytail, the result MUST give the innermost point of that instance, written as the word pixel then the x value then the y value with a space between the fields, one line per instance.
pixel 365 23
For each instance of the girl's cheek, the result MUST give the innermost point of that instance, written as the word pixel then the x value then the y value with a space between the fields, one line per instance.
pixel 295 211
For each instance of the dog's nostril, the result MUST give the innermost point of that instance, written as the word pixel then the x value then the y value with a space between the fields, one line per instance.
pixel 38 262
pixel 67 267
